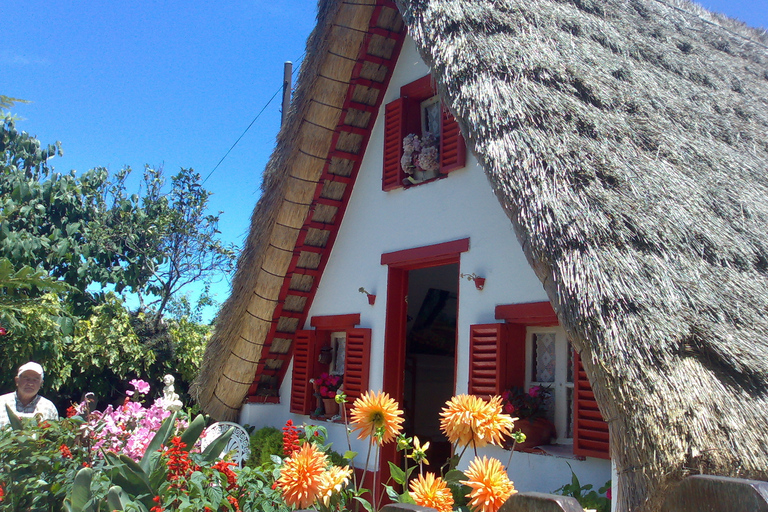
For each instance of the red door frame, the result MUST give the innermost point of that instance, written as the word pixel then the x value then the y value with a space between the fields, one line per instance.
pixel 400 263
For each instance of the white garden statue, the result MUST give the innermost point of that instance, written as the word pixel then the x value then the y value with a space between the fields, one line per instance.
pixel 171 400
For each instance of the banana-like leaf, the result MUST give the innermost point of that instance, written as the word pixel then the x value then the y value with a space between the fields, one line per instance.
pixel 117 499
pixel 14 420
pixel 161 438
pixel 81 490
pixel 195 428
pixel 213 450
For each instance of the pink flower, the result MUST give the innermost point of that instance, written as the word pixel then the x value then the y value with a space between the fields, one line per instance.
pixel 534 391
pixel 141 386
pixel 608 493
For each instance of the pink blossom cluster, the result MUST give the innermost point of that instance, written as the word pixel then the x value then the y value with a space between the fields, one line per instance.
pixel 127 428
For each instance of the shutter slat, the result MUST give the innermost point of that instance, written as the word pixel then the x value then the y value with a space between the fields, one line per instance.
pixel 302 393
pixel 393 144
pixel 357 363
pixel 452 147
pixel 590 431
pixel 487 359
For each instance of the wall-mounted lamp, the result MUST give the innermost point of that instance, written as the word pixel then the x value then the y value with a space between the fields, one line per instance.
pixel 371 296
pixel 479 281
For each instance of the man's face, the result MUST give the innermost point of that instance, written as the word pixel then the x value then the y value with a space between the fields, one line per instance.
pixel 28 384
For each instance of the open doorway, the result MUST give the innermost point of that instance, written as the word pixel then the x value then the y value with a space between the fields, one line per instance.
pixel 430 355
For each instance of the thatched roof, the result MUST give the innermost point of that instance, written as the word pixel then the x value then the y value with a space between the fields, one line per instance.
pixel 627 142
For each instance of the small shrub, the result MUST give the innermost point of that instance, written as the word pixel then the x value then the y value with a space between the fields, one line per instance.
pixel 265 442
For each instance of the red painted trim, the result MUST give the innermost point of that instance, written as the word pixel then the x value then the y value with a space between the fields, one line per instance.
pixel 420 257
pixel 332 322
pixel 419 90
pixel 529 314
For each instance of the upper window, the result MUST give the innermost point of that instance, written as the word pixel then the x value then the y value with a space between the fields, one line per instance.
pixel 422 140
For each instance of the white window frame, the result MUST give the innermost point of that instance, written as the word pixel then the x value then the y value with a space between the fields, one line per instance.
pixel 561 385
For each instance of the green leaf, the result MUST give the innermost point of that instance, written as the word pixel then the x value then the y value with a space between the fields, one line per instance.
pixel 454 476
pixel 195 428
pixel 81 490
pixel 213 450
pixel 14 420
pixel 117 499
pixel 161 437
pixel 349 455
pixel 365 503
pixel 398 475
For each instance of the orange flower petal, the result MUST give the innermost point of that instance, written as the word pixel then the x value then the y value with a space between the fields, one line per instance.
pixel 374 411
pixel 490 485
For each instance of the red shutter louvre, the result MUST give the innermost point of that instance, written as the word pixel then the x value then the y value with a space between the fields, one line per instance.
pixel 357 363
pixel 393 144
pixel 302 399
pixel 488 359
pixel 590 431
pixel 453 153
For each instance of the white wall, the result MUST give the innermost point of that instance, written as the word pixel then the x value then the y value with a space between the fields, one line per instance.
pixel 376 222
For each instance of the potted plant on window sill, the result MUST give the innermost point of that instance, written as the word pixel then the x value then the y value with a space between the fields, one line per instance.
pixel 327 386
pixel 421 158
pixel 530 408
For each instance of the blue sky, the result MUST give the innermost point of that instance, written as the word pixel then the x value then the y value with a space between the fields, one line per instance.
pixel 170 83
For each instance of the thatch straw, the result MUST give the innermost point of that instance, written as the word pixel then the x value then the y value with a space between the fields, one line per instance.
pixel 627 142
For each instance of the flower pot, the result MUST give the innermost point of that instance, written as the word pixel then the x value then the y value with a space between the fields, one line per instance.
pixel 537 432
pixel 331 407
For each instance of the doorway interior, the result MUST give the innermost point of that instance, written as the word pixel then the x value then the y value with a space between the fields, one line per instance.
pixel 429 376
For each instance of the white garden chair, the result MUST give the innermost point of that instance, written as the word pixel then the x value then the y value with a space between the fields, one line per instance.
pixel 239 445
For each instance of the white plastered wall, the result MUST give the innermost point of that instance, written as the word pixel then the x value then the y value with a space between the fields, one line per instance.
pixel 460 206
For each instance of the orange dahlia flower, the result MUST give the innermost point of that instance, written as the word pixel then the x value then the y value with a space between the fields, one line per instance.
pixel 469 419
pixel 494 426
pixel 428 491
pixel 332 481
pixel 491 486
pixel 376 414
pixel 301 476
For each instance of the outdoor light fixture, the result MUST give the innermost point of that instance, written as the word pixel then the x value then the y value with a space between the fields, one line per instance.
pixel 371 296
pixel 479 281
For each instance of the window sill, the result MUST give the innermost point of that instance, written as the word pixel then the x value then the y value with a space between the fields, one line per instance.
pixel 560 451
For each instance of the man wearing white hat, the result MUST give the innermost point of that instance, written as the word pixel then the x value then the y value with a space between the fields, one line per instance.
pixel 25 401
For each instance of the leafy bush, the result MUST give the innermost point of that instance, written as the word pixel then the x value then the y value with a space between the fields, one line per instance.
pixel 265 442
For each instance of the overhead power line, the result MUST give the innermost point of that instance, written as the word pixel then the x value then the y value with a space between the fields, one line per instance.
pixel 249 126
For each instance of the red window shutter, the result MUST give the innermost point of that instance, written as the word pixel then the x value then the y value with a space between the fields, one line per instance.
pixel 590 431
pixel 496 358
pixel 453 152
pixel 302 393
pixel 357 363
pixel 394 128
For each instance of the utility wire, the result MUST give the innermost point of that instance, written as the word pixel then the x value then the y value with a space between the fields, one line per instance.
pixel 252 122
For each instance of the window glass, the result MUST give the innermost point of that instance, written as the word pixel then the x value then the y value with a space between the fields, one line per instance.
pixel 430 116
pixel 338 352
pixel 549 363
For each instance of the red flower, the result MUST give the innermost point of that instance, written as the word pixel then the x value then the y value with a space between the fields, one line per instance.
pixel 179 465
pixel 2 492
pixel 86 465
pixel 233 501
pixel 45 424
pixel 290 438
pixel 224 468
pixel 3 332
pixel 71 411
pixel 64 449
